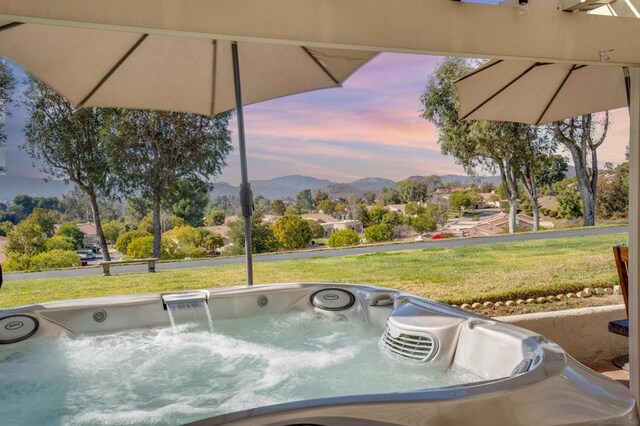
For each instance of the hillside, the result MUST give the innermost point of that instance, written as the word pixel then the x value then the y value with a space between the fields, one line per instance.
pixel 10 186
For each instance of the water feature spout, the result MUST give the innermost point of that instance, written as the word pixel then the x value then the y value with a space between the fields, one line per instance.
pixel 188 308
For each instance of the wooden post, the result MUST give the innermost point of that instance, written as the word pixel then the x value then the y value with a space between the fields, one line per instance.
pixel 105 269
pixel 152 266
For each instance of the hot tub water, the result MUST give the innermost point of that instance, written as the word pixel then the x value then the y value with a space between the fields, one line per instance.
pixel 157 376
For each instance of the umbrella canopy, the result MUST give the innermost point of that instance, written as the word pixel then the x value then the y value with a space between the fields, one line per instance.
pixel 187 74
pixel 539 93
pixel 131 70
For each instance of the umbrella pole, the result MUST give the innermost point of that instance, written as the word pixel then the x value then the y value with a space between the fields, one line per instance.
pixel 246 201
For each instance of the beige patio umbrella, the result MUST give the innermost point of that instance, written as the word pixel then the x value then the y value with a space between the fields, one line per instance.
pixel 539 93
pixel 131 70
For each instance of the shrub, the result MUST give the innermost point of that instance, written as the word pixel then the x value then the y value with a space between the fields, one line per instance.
pixel 193 252
pixel 72 231
pixel 5 228
pixel 442 235
pixel 215 217
pixel 123 241
pixel 401 231
pixel 344 238
pixel 292 232
pixel 569 203
pixel 60 242
pixel 378 233
pixel 185 235
pixel 140 248
pixel 17 262
pixel 553 213
pixel 55 259
pixel 263 240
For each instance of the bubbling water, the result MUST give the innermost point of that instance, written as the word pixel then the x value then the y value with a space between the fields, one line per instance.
pixel 157 376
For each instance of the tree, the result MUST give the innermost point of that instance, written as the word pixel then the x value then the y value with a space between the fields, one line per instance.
pixel 437 212
pixel 263 240
pixel 551 169
pixel 569 202
pixel 60 242
pixel 413 208
pixel 376 215
pixel 190 205
pixel 370 197
pixel 317 231
pixel 27 238
pixel 304 201
pixel 112 230
pixel 583 136
pixel 292 232
pixel 320 196
pixel 416 188
pixel 277 207
pixel 389 196
pixel 45 219
pixel 327 207
pixel 211 241
pixel 378 233
pixel 613 194
pixel 476 145
pixel 215 218
pixel 7 85
pixel 69 144
pixel 71 230
pixel 5 228
pixel 459 201
pixel 344 238
pixel 160 153
pixel 423 223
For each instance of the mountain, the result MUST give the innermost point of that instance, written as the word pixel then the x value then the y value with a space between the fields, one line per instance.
pixel 10 186
pixel 290 186
pixel 468 180
pixel 280 187
pixel 371 184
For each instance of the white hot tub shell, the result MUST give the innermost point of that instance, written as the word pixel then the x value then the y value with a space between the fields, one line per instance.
pixel 525 378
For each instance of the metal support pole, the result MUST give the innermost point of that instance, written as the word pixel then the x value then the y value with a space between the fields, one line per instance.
pixel 634 233
pixel 246 198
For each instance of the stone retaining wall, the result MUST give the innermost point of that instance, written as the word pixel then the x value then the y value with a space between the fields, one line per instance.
pixel 583 332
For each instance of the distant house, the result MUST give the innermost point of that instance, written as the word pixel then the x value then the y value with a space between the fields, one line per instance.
pixel 331 227
pixel 396 208
pixel 223 230
pixel 89 230
pixel 489 200
pixel 441 195
pixel 319 217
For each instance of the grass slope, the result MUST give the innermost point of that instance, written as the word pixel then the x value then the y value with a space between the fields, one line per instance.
pixel 455 275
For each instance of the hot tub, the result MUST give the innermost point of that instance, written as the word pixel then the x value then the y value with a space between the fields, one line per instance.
pixel 290 354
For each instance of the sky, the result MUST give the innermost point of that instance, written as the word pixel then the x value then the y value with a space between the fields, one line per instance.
pixel 371 127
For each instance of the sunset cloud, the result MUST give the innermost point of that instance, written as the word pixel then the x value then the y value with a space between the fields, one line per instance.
pixel 370 127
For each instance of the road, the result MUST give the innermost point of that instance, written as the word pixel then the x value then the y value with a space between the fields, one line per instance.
pixel 309 254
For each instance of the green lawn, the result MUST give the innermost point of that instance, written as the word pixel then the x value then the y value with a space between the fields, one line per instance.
pixel 457 275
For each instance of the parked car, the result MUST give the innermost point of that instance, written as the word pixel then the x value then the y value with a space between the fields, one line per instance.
pixel 89 255
pixel 95 247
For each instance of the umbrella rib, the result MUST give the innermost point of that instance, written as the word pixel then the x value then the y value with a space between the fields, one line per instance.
pixel 213 77
pixel 10 25
pixel 553 98
pixel 474 72
pixel 318 63
pixel 501 90
pixel 113 69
